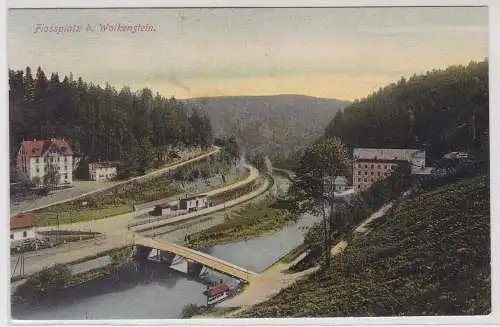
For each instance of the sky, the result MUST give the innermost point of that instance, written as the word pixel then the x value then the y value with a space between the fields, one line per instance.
pixel 342 53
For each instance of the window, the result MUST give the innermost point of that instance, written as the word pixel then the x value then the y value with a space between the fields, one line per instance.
pixel 44 159
pixel 65 176
pixel 37 170
pixel 371 166
pixel 378 173
pixel 359 165
pixel 25 233
pixel 366 166
pixel 37 160
pixel 359 180
pixel 372 173
pixel 378 166
pixel 65 159
pixel 11 236
pixel 366 180
pixel 58 158
pixel 371 180
pixel 385 166
pixel 359 172
pixel 366 173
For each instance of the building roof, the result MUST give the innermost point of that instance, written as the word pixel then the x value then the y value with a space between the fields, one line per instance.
pixel 164 206
pixel 340 180
pixel 26 220
pixel 38 148
pixel 388 154
pixel 373 160
pixel 104 164
pixel 194 197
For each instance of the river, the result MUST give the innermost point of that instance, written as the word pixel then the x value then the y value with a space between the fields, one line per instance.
pixel 154 291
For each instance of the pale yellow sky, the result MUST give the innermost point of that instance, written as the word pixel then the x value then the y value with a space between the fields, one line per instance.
pixel 343 53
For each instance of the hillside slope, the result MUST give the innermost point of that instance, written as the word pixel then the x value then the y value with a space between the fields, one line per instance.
pixel 271 124
pixel 428 256
pixel 441 110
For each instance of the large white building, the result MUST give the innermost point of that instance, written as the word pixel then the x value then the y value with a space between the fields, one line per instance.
pixel 38 159
pixel 103 171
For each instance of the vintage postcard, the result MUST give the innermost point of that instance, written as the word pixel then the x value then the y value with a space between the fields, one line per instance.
pixel 201 163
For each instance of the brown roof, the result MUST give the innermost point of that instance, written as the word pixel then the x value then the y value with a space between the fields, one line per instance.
pixel 38 148
pixel 164 206
pixel 375 161
pixel 104 164
pixel 23 221
pixel 194 197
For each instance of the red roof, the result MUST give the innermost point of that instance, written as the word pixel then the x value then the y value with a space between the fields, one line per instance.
pixel 39 148
pixel 164 206
pixel 221 288
pixel 25 220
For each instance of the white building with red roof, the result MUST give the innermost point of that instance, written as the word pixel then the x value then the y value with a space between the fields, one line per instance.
pixel 22 228
pixel 103 171
pixel 36 158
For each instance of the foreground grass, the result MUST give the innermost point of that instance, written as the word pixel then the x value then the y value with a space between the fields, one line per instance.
pixel 430 256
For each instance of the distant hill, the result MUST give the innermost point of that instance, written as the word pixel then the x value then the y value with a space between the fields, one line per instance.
pixel 274 124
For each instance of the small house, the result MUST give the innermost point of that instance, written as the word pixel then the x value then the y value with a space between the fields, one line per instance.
pixel 163 209
pixel 22 228
pixel 193 203
pixel 340 184
pixel 103 171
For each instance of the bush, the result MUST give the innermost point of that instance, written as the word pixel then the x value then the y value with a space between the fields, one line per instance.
pixel 190 310
pixel 44 282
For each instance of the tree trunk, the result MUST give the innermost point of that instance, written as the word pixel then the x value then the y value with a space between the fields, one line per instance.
pixel 326 240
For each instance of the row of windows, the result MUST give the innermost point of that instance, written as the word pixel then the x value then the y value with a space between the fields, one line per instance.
pixel 25 234
pixel 372 173
pixel 60 168
pixel 51 159
pixel 365 180
pixel 65 175
pixel 372 166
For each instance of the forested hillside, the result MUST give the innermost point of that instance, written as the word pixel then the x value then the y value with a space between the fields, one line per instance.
pixel 442 110
pixel 273 125
pixel 102 123
pixel 429 256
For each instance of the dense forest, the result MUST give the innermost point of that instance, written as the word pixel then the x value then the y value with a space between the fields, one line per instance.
pixel 440 111
pixel 135 128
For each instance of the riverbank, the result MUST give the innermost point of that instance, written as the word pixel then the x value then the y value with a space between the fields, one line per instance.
pixel 261 288
pixel 48 282
pixel 251 220
pixel 400 267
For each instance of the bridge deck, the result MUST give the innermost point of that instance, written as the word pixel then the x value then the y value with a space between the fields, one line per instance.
pixel 200 257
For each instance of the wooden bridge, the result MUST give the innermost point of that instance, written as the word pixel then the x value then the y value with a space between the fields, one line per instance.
pixel 198 257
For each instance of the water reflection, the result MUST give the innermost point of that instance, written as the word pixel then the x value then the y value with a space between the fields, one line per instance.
pixel 156 292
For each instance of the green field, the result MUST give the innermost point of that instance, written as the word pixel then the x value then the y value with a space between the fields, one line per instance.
pixel 429 256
